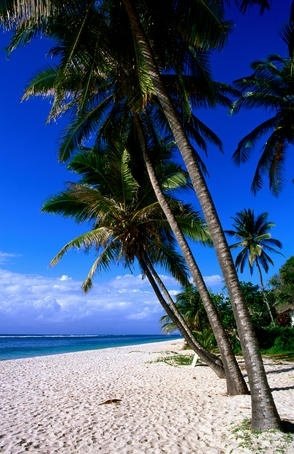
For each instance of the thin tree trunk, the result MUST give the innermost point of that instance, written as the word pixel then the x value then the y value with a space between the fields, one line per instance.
pixel 264 412
pixel 175 310
pixel 235 381
pixel 208 358
pixel 263 293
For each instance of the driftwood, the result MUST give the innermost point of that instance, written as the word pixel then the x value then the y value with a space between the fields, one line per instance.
pixel 110 401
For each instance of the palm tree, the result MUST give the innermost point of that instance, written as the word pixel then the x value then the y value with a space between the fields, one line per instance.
pixel 254 239
pixel 105 110
pixel 152 56
pixel 235 380
pixel 264 412
pixel 270 86
pixel 128 225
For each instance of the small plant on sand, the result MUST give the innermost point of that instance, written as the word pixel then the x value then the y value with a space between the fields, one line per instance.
pixel 259 442
pixel 176 360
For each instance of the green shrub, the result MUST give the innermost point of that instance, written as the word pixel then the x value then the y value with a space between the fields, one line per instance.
pixel 276 339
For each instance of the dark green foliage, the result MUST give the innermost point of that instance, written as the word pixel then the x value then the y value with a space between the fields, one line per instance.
pixel 190 306
pixel 283 290
pixel 276 339
pixel 192 310
pixel 254 300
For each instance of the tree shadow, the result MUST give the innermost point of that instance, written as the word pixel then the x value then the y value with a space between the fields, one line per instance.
pixel 285 388
pixel 268 372
pixel 287 426
pixel 280 371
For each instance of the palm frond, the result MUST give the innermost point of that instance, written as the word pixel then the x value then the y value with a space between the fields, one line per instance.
pixel 101 262
pixel 175 181
pixel 172 261
pixel 272 146
pixel 82 127
pixel 246 144
pixel 128 183
pixel 97 237
pixel 22 36
pixel 42 84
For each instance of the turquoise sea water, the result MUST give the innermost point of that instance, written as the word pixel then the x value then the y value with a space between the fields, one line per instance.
pixel 20 346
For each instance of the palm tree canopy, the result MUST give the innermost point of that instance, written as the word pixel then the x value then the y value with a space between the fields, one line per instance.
pixel 100 74
pixel 254 239
pixel 127 221
pixel 270 86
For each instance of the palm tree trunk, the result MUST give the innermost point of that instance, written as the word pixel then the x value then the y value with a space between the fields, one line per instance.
pixel 264 412
pixel 235 381
pixel 211 360
pixel 263 293
pixel 175 310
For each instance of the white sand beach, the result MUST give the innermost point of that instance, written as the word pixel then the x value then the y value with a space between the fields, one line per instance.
pixel 54 404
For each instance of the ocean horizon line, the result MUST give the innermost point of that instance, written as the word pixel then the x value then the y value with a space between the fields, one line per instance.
pixel 27 346
pixel 84 335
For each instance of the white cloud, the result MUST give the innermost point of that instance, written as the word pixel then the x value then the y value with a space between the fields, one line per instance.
pixel 64 277
pixel 5 256
pixel 138 315
pixel 145 313
pixel 174 292
pixel 214 280
pixel 51 300
pixel 61 299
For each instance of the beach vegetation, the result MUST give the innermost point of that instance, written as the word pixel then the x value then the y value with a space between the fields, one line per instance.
pixel 176 360
pixel 273 340
pixel 260 442
pixel 190 305
pixel 282 289
pixel 265 414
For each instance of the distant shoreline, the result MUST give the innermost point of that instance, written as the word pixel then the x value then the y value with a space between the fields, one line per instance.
pixel 30 346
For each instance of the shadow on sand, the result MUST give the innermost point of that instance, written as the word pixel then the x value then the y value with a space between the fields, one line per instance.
pixel 281 388
pixel 280 371
pixel 287 426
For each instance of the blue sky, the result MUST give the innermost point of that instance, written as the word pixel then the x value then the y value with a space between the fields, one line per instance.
pixel 35 298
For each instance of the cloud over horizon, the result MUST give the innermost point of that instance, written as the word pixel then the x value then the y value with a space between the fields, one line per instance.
pixel 36 302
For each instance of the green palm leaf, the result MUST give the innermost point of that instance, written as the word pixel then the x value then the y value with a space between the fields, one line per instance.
pixel 97 237
pixel 128 184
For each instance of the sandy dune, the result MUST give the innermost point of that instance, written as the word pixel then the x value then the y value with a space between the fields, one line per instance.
pixel 56 404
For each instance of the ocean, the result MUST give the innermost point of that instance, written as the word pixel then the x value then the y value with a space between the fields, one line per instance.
pixel 27 346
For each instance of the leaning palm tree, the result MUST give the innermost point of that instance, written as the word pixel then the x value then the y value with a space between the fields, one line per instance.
pixel 151 56
pixel 270 87
pixel 128 225
pixel 264 412
pixel 253 237
pixel 104 111
pixel 107 108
